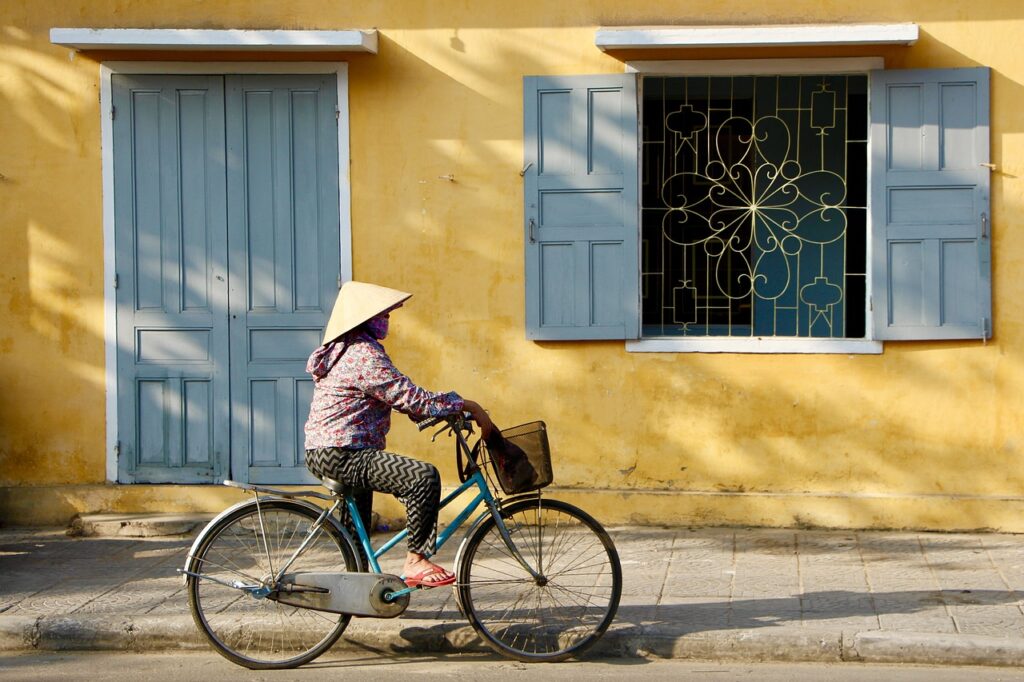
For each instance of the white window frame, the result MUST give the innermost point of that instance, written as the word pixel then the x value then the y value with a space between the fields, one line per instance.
pixel 107 71
pixel 762 344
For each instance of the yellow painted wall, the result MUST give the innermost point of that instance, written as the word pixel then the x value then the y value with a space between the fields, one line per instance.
pixel 924 435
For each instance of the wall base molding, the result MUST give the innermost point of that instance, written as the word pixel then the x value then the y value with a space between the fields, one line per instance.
pixel 58 504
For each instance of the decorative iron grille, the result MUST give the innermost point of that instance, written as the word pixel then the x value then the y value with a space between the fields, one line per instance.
pixel 753 207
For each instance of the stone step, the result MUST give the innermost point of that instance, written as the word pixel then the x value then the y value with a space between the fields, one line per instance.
pixel 137 525
pixel 153 525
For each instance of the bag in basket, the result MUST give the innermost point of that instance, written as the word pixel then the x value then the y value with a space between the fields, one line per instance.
pixel 520 457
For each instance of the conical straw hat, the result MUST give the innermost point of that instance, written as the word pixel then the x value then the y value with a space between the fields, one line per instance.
pixel 358 302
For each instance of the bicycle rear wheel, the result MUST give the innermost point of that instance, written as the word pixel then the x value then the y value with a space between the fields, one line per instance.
pixel 243 548
pixel 553 618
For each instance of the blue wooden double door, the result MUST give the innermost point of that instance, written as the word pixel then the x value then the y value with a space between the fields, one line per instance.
pixel 227 258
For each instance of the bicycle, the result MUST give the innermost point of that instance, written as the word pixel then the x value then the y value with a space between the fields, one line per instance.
pixel 274 581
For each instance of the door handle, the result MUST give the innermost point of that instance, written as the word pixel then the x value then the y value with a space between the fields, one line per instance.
pixel 533 227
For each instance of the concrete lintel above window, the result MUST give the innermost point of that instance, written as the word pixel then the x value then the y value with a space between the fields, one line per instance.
pixel 653 37
pixel 215 40
pixel 755 67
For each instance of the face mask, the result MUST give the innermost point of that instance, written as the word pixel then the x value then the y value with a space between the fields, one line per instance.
pixel 378 327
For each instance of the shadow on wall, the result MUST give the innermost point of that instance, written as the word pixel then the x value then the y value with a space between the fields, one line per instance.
pixel 51 345
pixel 630 421
pixel 903 422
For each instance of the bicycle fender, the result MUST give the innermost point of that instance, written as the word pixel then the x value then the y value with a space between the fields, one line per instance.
pixel 462 549
pixel 532 495
pixel 484 515
pixel 191 564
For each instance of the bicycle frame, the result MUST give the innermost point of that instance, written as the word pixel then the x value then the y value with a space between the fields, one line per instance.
pixel 483 496
pixel 475 478
pixel 290 583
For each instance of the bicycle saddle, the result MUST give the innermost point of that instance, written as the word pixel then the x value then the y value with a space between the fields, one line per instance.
pixel 336 487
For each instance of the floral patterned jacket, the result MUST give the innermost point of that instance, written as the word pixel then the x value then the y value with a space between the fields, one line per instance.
pixel 355 387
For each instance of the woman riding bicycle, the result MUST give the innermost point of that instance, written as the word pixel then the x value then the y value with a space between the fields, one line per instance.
pixel 355 388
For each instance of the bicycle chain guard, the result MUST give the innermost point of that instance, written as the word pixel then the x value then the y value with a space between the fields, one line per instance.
pixel 357 594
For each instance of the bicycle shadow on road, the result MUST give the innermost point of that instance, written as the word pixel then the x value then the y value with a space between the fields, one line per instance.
pixel 922 610
pixel 682 615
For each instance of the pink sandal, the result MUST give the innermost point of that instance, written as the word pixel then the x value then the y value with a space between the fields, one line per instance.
pixel 419 579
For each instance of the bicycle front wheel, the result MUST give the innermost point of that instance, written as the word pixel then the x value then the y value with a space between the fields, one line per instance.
pixel 554 617
pixel 241 554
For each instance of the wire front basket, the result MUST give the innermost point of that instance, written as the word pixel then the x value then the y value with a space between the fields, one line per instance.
pixel 523 462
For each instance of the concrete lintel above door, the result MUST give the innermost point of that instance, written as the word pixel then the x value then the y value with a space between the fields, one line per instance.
pixel 355 40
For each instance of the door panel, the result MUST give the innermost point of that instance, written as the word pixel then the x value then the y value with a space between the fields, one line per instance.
pixel 284 244
pixel 171 254
pixel 211 359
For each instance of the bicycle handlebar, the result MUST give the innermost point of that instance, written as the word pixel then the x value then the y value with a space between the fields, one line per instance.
pixel 461 424
pixel 427 423
pixel 452 419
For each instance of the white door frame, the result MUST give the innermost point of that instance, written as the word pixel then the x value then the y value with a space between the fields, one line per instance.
pixel 107 70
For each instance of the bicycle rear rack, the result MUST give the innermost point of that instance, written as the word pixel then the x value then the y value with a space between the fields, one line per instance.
pixel 277 491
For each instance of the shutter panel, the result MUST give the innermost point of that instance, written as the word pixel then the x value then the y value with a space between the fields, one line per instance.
pixel 930 210
pixel 581 212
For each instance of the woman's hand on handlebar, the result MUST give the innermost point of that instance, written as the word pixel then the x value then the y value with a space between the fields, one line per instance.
pixel 480 417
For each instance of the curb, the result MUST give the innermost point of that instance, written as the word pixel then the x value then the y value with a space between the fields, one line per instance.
pixel 784 644
pixel 179 632
pixel 935 648
pixel 761 644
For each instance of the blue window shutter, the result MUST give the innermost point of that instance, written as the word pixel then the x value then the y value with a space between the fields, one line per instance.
pixel 581 218
pixel 931 220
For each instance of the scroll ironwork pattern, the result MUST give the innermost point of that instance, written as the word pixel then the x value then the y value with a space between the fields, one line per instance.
pixel 753 211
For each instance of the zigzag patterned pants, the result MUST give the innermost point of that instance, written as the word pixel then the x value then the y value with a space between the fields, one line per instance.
pixel 417 484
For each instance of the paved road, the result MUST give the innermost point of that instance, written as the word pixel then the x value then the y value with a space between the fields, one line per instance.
pixel 101 667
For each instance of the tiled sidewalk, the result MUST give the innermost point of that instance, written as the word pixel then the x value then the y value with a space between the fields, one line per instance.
pixel 703 593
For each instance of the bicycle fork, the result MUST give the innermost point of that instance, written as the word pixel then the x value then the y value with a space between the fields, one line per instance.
pixel 495 511
pixel 506 537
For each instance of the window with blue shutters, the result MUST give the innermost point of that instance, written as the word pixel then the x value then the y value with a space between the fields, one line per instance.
pixel 755 214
